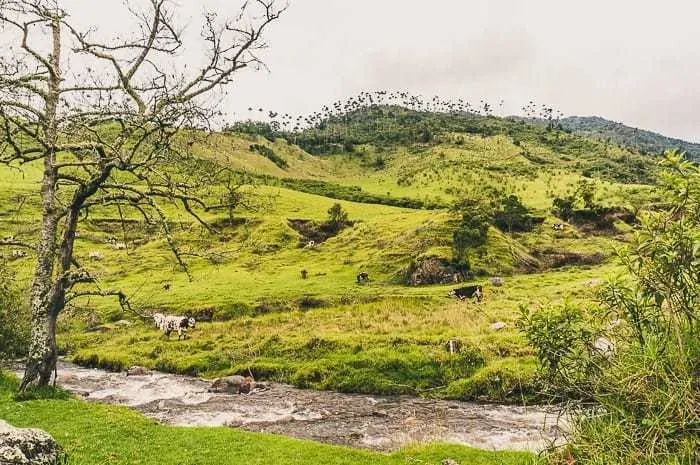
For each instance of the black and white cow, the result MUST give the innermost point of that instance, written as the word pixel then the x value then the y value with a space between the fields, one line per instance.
pixel 170 323
pixel 467 292
pixel 362 277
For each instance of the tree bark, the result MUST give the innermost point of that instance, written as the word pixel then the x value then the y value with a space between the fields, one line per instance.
pixel 41 360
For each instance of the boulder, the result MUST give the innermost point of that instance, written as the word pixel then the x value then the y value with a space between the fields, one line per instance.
pixel 20 446
pixel 232 385
pixel 138 371
pixel 497 281
pixel 604 346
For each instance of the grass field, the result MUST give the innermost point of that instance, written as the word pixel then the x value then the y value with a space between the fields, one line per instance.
pixel 326 331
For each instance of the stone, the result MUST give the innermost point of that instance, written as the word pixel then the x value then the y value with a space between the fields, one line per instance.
pixel 498 326
pixel 449 462
pixel 604 346
pixel 497 281
pixel 27 446
pixel 232 385
pixel 138 371
pixel 123 323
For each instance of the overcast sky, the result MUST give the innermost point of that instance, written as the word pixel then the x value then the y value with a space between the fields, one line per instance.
pixel 635 61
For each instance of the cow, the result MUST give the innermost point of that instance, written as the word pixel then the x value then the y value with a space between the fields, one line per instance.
pixel 558 227
pixel 171 323
pixel 453 346
pixel 467 292
pixel 362 277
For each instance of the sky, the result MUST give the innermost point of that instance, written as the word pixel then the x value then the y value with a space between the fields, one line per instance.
pixel 633 61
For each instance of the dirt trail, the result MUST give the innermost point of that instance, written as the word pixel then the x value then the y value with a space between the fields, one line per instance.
pixel 371 422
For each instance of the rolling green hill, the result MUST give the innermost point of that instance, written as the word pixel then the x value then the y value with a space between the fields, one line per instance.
pixel 287 311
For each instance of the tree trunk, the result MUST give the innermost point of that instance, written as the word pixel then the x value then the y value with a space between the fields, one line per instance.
pixel 41 361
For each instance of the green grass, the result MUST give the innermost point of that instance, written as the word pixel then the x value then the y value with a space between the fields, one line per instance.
pixel 95 434
pixel 327 331
pixel 388 343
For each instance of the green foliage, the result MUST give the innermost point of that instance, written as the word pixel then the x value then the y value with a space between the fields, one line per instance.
pixel 513 215
pixel 472 230
pixel 344 192
pixel 270 154
pixel 14 320
pixel 617 133
pixel 582 197
pixel 254 128
pixel 560 333
pixel 337 216
pixel 642 396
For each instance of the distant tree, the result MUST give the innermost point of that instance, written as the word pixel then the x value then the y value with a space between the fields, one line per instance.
pixel 109 122
pixel 513 215
pixel 472 230
pixel 337 216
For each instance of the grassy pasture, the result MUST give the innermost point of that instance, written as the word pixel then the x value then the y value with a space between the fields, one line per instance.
pixel 326 331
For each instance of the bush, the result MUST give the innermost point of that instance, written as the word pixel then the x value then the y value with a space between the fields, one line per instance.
pixel 14 320
pixel 640 402
pixel 513 215
pixel 472 231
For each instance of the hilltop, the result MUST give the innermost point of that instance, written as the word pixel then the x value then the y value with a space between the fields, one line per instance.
pixel 619 133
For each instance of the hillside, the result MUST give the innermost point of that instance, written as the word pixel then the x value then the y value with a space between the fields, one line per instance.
pixel 271 304
pixel 639 139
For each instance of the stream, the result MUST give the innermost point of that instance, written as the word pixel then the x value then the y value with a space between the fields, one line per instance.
pixel 371 422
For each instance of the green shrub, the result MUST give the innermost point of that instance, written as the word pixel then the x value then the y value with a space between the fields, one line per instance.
pixel 640 401
pixel 14 318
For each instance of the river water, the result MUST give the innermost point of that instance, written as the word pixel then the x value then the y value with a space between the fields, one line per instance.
pixel 371 422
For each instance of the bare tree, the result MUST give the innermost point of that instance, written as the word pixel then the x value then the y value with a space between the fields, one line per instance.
pixel 108 120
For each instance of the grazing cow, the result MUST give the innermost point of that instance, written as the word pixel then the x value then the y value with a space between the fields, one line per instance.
pixel 558 227
pixel 19 254
pixel 453 346
pixel 467 292
pixel 158 319
pixel 304 274
pixel 362 278
pixel 310 245
pixel 166 286
pixel 170 323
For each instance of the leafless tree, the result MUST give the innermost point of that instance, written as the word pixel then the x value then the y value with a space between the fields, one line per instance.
pixel 108 121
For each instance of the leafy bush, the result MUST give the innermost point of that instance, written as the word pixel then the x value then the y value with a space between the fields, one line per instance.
pixel 472 231
pixel 14 327
pixel 513 215
pixel 337 217
pixel 640 402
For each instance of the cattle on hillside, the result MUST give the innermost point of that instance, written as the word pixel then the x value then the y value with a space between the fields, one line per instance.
pixel 467 292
